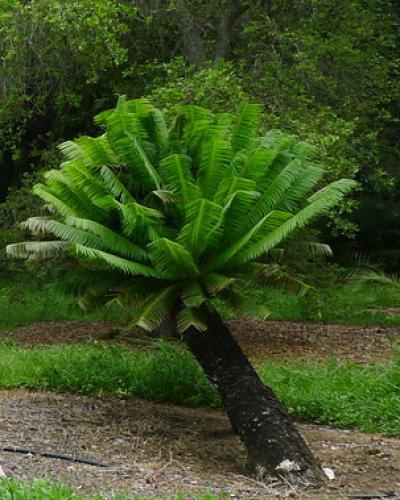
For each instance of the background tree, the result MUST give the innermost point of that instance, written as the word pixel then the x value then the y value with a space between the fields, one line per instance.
pixel 178 222
pixel 335 63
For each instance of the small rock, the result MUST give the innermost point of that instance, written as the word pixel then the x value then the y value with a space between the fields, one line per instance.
pixel 288 466
pixel 329 473
pixel 2 473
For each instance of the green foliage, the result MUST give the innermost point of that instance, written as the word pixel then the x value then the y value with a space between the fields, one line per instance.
pixel 27 301
pixel 233 197
pixel 24 301
pixel 162 373
pixel 54 58
pixel 39 489
pixel 218 88
pixel 337 393
pixel 45 489
pixel 335 64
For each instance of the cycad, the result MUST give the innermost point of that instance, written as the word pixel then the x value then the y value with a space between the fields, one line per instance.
pixel 177 221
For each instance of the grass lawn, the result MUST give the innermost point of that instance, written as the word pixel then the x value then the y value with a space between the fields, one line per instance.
pixel 340 394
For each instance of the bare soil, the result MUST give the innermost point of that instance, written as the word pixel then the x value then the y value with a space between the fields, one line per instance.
pixel 158 449
pixel 260 339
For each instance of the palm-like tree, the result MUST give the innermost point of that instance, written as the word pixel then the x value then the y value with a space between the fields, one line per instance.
pixel 177 221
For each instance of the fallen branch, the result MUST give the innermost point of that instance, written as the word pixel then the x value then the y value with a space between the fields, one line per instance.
pixel 60 456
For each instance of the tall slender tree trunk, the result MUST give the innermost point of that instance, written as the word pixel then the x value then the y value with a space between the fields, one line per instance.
pixel 274 446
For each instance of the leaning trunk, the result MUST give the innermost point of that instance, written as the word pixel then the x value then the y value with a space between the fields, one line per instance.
pixel 274 446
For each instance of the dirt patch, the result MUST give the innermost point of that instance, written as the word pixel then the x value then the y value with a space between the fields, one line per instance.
pixel 156 449
pixel 260 339
pixel 286 339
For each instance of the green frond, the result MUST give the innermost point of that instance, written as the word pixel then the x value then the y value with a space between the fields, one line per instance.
pixel 237 208
pixel 273 219
pixel 110 240
pixel 171 259
pixel 304 150
pixel 131 152
pixel 79 201
pixel 140 106
pixel 246 127
pixel 71 150
pixel 194 113
pixel 36 249
pixel 165 196
pixel 119 263
pixel 177 177
pixel 334 192
pixel 79 282
pixel 155 309
pixel 157 130
pixel 36 225
pixel 52 200
pixel 277 140
pixel 274 192
pixel 79 179
pixel 194 134
pixel 300 188
pixel 257 163
pixel 230 185
pixel 247 306
pixel 121 123
pixel 97 150
pixel 114 185
pixel 215 283
pixel 214 159
pixel 275 275
pixel 193 294
pixel 319 204
pixel 134 215
pixel 135 291
pixel 313 248
pixel 201 219
pixel 190 317
pixel 72 234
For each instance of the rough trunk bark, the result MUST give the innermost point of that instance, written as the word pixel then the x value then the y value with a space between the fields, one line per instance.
pixel 274 446
pixel 233 11
pixel 192 42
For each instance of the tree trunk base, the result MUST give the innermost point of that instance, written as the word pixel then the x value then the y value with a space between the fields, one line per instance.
pixel 275 448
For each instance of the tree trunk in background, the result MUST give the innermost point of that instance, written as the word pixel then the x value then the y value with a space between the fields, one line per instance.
pixel 274 446
pixel 191 38
pixel 233 11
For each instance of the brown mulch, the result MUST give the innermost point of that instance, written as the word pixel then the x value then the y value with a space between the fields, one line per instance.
pixel 260 339
pixel 157 449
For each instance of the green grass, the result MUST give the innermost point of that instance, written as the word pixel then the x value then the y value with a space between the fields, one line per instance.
pixel 44 489
pixel 26 302
pixel 337 393
pixel 29 301
pixel 40 489
pixel 351 303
